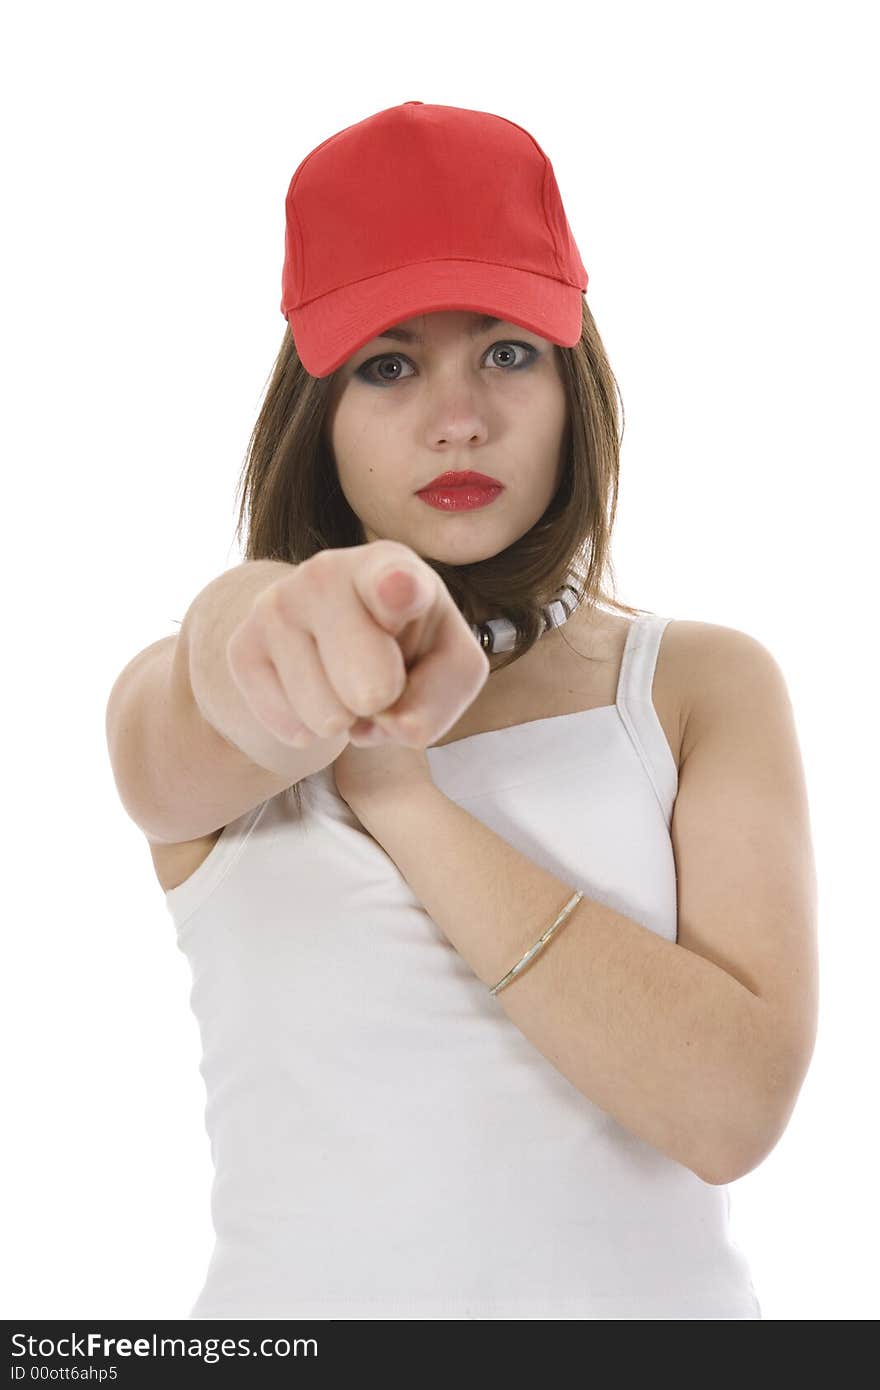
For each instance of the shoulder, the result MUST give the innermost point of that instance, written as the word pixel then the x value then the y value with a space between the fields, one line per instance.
pixel 714 669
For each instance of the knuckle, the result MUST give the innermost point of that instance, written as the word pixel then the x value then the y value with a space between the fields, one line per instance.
pixel 270 603
pixel 320 570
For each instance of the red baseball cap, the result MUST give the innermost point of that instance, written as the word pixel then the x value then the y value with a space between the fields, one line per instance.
pixel 422 208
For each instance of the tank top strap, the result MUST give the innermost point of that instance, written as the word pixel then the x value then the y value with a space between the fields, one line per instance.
pixel 635 705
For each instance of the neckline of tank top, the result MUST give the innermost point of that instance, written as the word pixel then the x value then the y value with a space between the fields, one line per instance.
pixel 523 724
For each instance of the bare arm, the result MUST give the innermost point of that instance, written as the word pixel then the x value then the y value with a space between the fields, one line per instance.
pixel 699 1046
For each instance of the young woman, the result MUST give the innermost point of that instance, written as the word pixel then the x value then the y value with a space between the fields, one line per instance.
pixel 495 1008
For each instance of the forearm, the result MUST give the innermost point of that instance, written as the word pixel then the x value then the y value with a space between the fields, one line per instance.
pixel 662 1039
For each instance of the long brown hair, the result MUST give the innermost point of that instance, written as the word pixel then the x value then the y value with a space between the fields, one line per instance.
pixel 293 506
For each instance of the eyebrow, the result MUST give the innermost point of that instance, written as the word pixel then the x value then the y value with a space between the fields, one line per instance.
pixel 403 336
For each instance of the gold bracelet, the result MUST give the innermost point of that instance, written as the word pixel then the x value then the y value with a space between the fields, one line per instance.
pixel 539 944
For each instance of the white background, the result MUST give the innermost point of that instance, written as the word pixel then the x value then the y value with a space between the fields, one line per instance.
pixel 717 165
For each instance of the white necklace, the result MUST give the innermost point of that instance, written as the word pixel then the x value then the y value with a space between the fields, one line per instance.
pixel 499 634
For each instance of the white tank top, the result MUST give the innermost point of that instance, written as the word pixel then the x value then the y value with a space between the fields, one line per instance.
pixel 386 1143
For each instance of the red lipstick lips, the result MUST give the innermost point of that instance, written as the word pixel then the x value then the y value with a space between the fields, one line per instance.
pixel 460 492
pixel 463 479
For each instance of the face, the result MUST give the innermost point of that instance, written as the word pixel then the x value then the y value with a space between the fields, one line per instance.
pixel 490 399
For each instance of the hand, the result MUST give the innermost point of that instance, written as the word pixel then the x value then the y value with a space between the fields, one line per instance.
pixel 384 775
pixel 350 634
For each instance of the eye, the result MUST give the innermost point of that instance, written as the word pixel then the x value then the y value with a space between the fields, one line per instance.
pixel 365 370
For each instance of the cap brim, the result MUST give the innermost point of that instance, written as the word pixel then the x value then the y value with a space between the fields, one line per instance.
pixel 329 329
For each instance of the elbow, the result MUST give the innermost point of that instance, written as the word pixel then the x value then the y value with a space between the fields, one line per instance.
pixel 748 1132
pixel 724 1173
pixel 729 1161
pixel 734 1166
